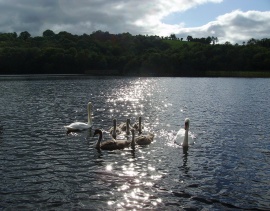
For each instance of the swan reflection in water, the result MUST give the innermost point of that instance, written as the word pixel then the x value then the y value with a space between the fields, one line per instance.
pixel 184 138
pixel 185 160
pixel 1 129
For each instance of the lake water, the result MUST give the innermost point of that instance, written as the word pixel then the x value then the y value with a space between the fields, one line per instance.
pixel 226 168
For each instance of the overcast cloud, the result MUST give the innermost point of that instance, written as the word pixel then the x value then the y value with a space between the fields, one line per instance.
pixel 133 16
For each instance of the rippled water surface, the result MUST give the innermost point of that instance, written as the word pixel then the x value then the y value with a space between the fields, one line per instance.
pixel 227 166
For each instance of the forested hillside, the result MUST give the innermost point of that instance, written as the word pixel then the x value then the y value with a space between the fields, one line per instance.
pixel 125 54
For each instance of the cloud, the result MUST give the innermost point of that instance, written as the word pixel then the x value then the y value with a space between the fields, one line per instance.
pixel 133 16
pixel 235 27
pixel 86 16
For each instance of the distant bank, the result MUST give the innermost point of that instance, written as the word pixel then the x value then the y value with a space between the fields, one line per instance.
pixel 237 74
pixel 243 74
pixel 116 73
pixel 103 72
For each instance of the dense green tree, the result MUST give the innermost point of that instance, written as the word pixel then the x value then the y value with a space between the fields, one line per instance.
pixel 214 40
pixel 173 37
pixel 189 38
pixel 128 54
pixel 48 33
pixel 24 35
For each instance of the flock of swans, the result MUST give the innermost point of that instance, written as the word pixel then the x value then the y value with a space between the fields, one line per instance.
pixel 124 129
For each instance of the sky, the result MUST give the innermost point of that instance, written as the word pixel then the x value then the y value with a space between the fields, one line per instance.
pixel 235 21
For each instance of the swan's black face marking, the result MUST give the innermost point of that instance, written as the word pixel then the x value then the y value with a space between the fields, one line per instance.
pixel 96 132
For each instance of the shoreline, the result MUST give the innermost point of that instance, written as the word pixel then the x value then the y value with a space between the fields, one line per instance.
pixel 237 74
pixel 208 74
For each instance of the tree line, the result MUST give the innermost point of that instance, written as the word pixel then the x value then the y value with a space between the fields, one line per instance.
pixel 126 54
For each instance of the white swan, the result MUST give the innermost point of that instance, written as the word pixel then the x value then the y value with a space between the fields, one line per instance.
pixel 77 126
pixel 182 135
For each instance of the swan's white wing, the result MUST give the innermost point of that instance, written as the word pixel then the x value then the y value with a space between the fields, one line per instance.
pixel 179 137
pixel 78 126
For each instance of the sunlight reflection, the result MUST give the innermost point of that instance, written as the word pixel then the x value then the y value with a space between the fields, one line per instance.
pixel 120 204
pixel 130 95
pixel 154 203
pixel 156 177
pixel 111 202
pixel 137 181
pixel 131 173
pixel 123 187
pixel 109 167
pixel 143 174
pixel 135 178
pixel 134 196
pixel 138 194
pixel 149 184
pixel 151 168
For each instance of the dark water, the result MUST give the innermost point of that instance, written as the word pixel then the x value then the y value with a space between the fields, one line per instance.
pixel 227 168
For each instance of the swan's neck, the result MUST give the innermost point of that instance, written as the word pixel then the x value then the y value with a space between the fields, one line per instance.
pixel 99 140
pixel 127 128
pixel 133 141
pixel 114 129
pixel 140 125
pixel 89 115
pixel 114 126
pixel 185 142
